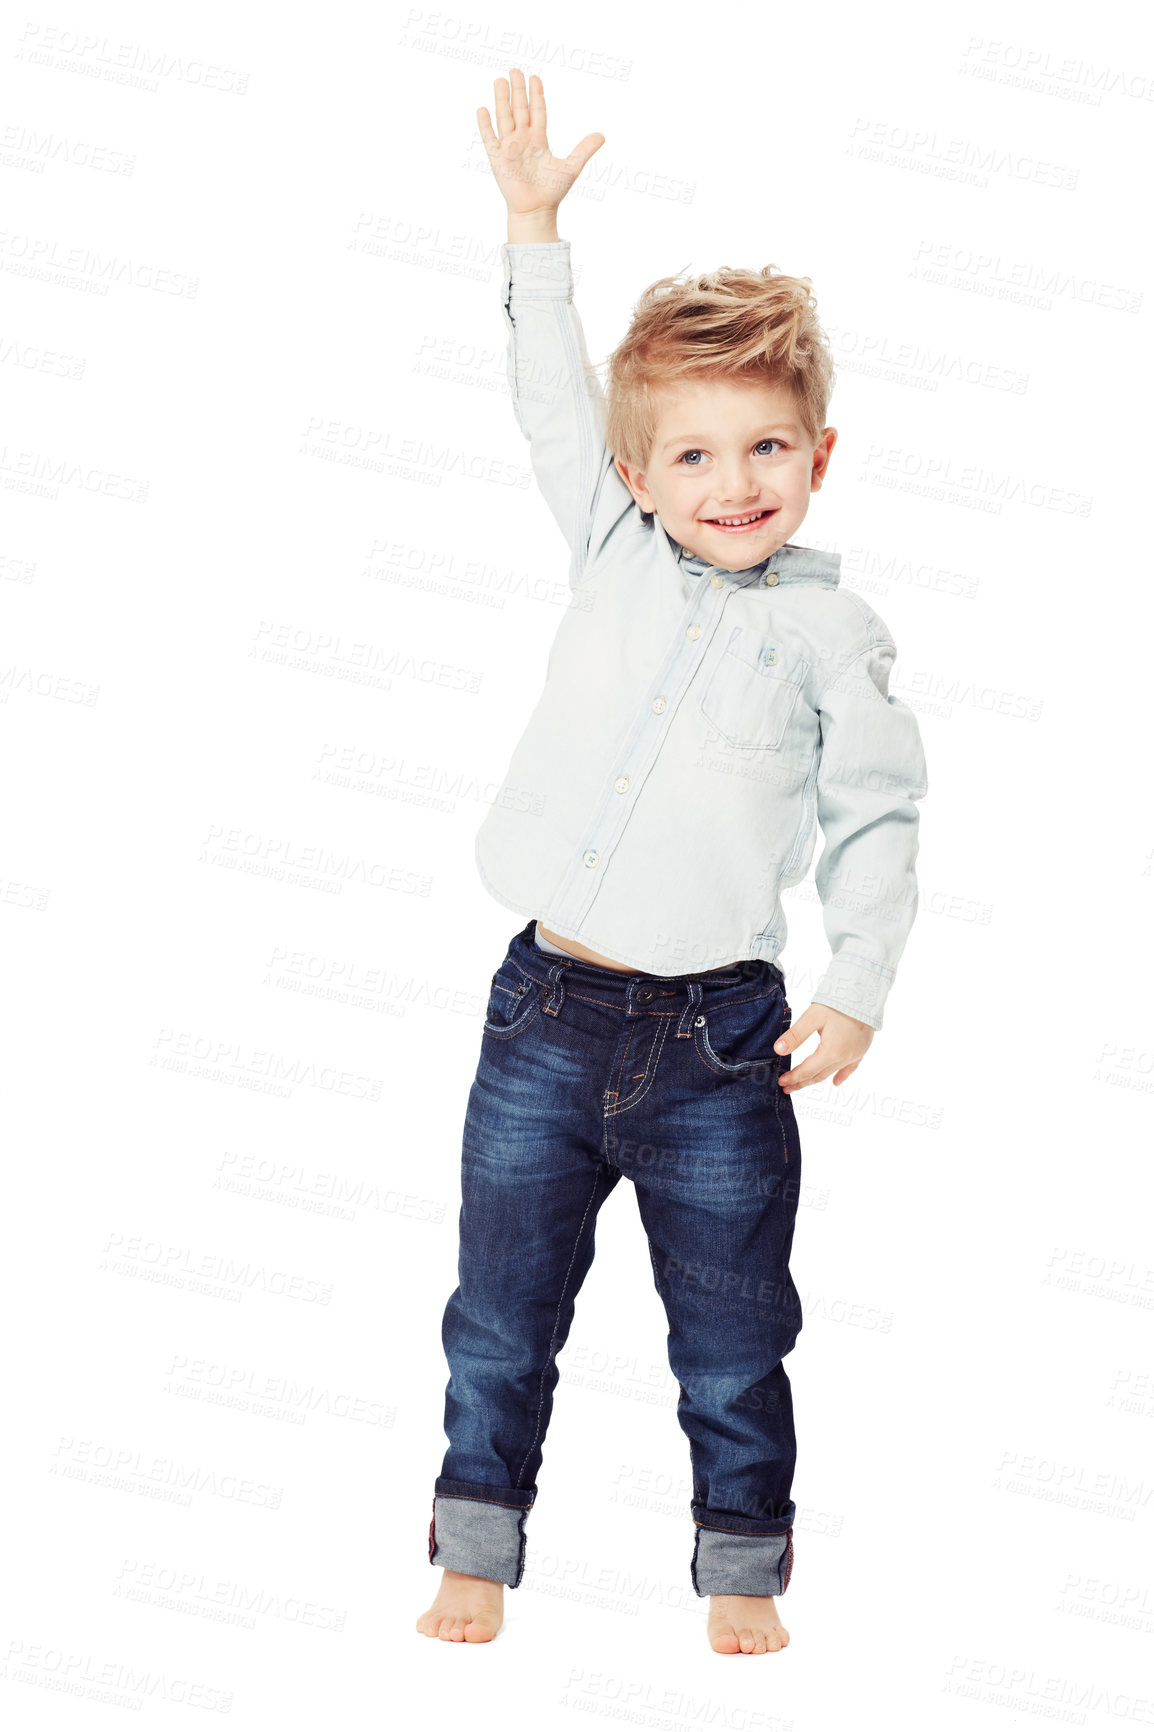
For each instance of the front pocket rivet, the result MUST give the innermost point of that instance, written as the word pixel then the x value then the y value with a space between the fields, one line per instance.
pixel 699 1022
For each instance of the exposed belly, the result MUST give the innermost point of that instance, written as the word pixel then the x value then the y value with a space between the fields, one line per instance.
pixel 583 951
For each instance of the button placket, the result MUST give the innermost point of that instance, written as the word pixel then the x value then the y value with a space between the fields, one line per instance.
pixel 640 751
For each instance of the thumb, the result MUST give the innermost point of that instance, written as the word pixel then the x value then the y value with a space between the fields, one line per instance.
pixel 797 1035
pixel 581 153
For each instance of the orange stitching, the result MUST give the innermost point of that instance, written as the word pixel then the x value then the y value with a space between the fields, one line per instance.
pixel 651 1070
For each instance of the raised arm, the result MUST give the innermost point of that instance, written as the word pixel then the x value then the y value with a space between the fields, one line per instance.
pixel 557 397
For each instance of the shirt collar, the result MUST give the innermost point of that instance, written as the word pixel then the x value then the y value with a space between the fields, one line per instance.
pixel 791 563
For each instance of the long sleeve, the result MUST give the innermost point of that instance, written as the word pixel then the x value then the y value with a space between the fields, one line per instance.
pixel 557 398
pixel 872 771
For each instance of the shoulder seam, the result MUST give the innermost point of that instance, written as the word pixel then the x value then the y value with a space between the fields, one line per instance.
pixel 874 640
pixel 867 617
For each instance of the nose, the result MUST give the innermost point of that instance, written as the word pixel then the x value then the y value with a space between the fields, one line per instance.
pixel 736 485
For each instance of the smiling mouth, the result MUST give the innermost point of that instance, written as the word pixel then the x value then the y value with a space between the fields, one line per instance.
pixel 740 525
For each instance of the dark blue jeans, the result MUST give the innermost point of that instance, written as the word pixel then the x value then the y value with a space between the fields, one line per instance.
pixel 586 1075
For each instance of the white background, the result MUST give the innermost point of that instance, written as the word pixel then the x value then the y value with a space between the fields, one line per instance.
pixel 276 607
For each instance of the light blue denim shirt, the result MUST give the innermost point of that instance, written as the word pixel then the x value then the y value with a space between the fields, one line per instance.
pixel 695 724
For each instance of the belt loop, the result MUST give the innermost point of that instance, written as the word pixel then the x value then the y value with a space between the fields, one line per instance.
pixel 556 995
pixel 685 1026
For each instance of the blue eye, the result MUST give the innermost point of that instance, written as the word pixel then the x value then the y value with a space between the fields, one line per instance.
pixel 696 452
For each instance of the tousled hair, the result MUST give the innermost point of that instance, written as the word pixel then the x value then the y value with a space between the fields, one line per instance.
pixel 725 324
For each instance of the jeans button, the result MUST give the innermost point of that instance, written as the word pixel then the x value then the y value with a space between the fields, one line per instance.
pixel 645 994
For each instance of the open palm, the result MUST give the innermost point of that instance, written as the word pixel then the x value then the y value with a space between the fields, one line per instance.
pixel 530 177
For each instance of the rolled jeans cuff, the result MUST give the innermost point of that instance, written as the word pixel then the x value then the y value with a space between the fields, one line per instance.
pixel 479 1530
pixel 731 1558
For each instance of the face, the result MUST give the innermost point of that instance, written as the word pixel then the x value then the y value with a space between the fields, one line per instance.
pixel 724 449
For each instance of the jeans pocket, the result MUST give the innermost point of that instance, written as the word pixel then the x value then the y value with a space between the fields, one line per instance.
pixel 736 1039
pixel 514 1000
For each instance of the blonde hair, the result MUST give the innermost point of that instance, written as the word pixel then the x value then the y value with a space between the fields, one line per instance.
pixel 725 324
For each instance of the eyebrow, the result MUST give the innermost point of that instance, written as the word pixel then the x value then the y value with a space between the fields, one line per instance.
pixel 691 439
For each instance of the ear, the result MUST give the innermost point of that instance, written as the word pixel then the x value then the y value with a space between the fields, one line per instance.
pixel 822 452
pixel 634 479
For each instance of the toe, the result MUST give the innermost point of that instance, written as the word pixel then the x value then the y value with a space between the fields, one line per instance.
pixel 748 1641
pixel 723 1639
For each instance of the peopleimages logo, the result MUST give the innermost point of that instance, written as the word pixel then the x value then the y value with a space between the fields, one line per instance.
pixel 1070 77
pixel 954 158
pixel 475 40
pixel 1024 280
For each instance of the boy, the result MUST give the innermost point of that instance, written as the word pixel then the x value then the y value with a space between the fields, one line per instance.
pixel 712 693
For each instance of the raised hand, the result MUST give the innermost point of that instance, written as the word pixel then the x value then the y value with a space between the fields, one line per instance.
pixel 530 177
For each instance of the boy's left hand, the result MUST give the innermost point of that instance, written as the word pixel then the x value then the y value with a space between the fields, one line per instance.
pixel 844 1043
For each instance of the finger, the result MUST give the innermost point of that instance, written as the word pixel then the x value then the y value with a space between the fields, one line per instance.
pixel 501 103
pixel 538 119
pixel 520 100
pixel 803 1077
pixel 488 137
pixel 581 153
pixel 797 1033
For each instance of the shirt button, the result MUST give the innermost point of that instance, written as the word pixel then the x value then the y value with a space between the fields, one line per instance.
pixel 772 577
pixel 658 706
pixel 591 857
pixel 693 633
pixel 717 580
pixel 621 784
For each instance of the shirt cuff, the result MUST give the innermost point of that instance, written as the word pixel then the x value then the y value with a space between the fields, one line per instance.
pixel 855 985
pixel 537 269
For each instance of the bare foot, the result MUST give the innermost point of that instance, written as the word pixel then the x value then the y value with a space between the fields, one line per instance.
pixel 467 1609
pixel 745 1624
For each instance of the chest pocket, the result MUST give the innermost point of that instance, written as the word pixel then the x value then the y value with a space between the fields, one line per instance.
pixel 753 691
